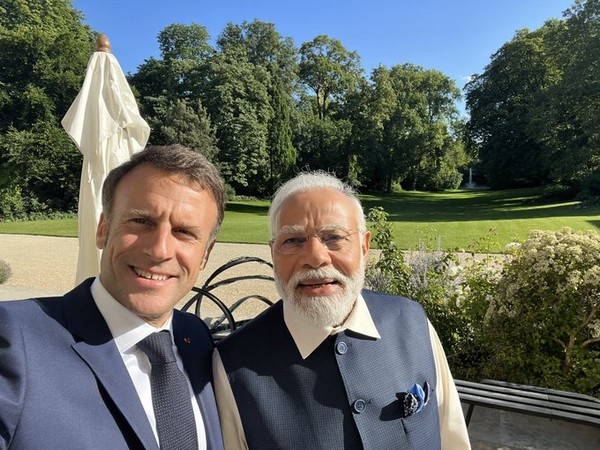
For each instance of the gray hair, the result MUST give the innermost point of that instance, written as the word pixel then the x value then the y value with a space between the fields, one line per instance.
pixel 306 181
pixel 195 167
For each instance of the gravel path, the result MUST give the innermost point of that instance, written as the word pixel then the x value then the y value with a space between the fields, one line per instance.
pixel 42 265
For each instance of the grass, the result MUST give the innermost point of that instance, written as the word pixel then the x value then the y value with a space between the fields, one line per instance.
pixel 465 220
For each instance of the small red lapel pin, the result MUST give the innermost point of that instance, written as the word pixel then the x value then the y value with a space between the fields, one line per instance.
pixel 187 340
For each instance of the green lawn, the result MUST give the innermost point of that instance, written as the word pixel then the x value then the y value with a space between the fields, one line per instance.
pixel 469 220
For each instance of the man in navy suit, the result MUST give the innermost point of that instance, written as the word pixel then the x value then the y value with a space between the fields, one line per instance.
pixel 72 375
pixel 333 366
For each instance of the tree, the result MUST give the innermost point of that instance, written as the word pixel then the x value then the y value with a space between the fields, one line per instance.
pixel 186 125
pixel 240 109
pixel 329 70
pixel 180 73
pixel 44 50
pixel 414 112
pixel 500 102
pixel 565 117
pixel 274 57
pixel 282 154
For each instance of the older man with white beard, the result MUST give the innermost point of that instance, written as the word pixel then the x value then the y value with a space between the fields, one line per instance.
pixel 332 366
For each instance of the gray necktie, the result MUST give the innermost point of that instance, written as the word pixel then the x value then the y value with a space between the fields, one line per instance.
pixel 175 421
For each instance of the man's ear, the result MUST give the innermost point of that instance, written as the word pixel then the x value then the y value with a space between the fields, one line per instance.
pixel 272 249
pixel 101 232
pixel 207 254
pixel 366 243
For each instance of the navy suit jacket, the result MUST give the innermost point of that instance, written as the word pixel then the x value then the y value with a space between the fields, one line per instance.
pixel 63 384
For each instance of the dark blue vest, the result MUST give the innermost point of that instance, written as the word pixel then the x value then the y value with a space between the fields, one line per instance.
pixel 344 395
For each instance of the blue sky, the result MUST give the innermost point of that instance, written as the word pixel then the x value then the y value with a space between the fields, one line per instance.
pixel 456 37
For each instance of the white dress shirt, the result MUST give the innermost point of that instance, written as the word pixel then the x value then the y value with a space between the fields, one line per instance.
pixel 127 330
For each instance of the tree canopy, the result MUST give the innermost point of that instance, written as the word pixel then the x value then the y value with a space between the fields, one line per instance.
pixel 262 108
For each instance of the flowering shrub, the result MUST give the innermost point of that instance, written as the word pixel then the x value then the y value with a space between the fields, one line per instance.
pixel 544 321
pixel 531 316
pixel 454 293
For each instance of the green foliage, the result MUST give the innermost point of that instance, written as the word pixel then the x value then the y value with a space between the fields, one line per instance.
pixel 5 271
pixel 544 322
pixel 282 154
pixel 534 108
pixel 241 111
pixel 389 273
pixel 44 49
pixel 413 113
pixel 42 166
pixel 273 109
pixel 590 190
pixel 430 277
pixel 533 318
pixel 185 124
pixel 11 203
pixel 500 100
pixel 329 70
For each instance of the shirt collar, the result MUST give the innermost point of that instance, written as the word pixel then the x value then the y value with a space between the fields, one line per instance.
pixel 307 336
pixel 126 327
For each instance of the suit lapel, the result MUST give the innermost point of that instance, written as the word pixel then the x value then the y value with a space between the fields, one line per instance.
pixel 94 344
pixel 195 348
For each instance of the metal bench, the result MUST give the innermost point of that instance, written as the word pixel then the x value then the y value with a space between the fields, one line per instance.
pixel 226 323
pixel 532 400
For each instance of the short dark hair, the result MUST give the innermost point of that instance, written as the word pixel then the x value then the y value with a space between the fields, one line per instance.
pixel 175 159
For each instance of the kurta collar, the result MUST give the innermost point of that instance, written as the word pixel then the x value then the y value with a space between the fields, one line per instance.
pixel 308 337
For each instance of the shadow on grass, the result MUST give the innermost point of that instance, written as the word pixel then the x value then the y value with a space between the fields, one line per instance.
pixel 245 208
pixel 473 206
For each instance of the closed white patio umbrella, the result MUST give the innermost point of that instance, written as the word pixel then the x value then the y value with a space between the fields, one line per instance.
pixel 105 124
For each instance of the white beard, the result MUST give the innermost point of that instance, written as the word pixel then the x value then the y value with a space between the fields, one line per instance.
pixel 323 311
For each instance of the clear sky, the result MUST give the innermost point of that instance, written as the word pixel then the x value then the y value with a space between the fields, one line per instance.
pixel 456 37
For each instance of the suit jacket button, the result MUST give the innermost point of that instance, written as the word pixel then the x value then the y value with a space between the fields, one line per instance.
pixel 341 348
pixel 359 406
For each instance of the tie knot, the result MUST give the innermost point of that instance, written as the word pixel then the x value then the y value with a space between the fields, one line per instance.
pixel 158 347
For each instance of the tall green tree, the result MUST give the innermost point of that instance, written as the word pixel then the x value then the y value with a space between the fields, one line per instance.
pixel 329 70
pixel 565 118
pixel 44 49
pixel 500 101
pixel 330 75
pixel 187 124
pixel 413 114
pixel 275 59
pixel 181 73
pixel 240 109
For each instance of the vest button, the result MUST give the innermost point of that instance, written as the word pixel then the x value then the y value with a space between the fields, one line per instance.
pixel 341 348
pixel 359 406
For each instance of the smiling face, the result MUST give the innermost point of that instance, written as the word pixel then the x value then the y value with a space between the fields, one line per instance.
pixel 321 283
pixel 156 242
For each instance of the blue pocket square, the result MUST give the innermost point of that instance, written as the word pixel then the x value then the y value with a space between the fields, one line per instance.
pixel 414 400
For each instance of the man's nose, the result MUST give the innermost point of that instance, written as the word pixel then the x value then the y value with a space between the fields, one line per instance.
pixel 316 254
pixel 160 243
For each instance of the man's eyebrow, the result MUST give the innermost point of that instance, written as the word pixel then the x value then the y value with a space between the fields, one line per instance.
pixel 292 229
pixel 332 226
pixel 138 212
pixel 302 229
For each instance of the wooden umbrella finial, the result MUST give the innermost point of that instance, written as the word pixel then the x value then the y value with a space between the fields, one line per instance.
pixel 103 44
